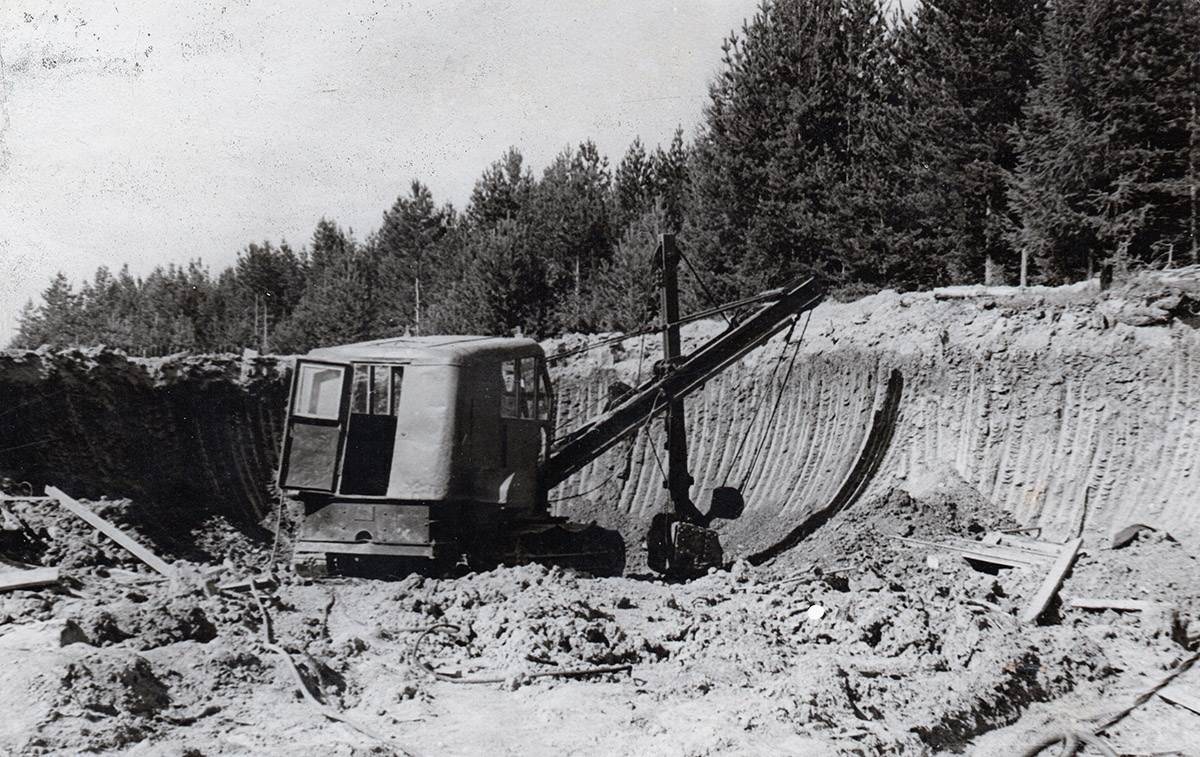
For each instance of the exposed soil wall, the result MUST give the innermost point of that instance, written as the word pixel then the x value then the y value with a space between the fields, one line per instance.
pixel 182 432
pixel 1056 409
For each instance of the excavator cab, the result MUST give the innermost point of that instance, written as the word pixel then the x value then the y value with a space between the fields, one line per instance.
pixel 424 447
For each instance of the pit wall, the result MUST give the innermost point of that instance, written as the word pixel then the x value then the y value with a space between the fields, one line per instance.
pixel 179 432
pixel 1056 412
pixel 1061 415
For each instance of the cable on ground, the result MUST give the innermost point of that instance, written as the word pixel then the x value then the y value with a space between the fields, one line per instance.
pixel 306 692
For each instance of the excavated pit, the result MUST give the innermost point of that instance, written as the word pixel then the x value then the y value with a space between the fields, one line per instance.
pixel 909 415
pixel 1058 414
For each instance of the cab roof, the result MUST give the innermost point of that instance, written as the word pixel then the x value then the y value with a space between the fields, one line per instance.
pixel 431 350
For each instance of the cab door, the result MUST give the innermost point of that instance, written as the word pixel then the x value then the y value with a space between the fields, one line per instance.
pixel 371 431
pixel 316 417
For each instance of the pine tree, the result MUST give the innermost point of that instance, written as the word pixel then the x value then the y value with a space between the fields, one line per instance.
pixel 632 185
pixel 569 226
pixel 57 322
pixel 503 192
pixel 503 289
pixel 973 64
pixel 270 281
pixel 777 168
pixel 669 179
pixel 411 259
pixel 338 304
pixel 623 295
pixel 1107 157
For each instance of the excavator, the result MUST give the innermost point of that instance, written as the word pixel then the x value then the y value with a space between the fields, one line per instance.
pixel 439 452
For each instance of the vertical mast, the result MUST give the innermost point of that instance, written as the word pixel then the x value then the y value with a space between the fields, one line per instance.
pixel 679 481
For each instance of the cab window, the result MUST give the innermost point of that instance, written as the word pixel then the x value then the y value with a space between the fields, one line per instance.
pixel 525 406
pixel 519 395
pixel 318 391
pixel 545 398
pixel 376 389
pixel 511 390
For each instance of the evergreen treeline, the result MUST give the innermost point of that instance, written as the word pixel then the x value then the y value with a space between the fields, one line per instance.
pixel 973 141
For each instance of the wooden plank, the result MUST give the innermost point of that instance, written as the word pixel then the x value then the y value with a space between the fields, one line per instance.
pixel 1184 697
pixel 1128 605
pixel 248 584
pixel 979 551
pixel 112 532
pixel 1046 549
pixel 994 558
pixel 1053 581
pixel 28 579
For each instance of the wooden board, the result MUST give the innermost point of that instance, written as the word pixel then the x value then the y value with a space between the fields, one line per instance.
pixel 1047 550
pixel 1128 605
pixel 1184 697
pixel 975 550
pixel 28 579
pixel 112 532
pixel 1053 581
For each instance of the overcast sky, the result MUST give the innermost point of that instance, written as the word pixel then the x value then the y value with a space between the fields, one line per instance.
pixel 146 132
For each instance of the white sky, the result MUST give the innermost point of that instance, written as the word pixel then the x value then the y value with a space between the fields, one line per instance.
pixel 148 132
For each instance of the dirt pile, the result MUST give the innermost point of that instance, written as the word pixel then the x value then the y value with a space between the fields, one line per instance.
pixel 853 643
pixel 38 531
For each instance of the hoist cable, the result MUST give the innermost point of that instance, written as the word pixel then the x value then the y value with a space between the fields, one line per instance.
pixel 778 398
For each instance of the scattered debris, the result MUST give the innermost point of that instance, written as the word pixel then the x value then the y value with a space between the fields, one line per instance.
pixel 1126 535
pixel 249 584
pixel 1005 556
pixel 1126 605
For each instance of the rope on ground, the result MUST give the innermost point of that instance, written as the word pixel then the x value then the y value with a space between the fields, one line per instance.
pixel 306 692
pixel 1071 738
pixel 1071 742
pixel 1149 693
pixel 414 659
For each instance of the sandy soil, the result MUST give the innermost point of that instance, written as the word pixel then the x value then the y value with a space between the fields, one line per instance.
pixel 855 643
